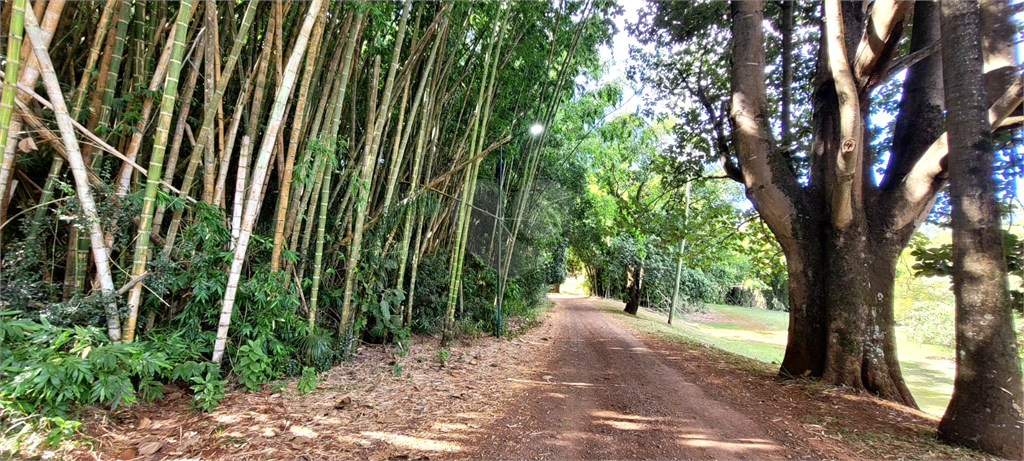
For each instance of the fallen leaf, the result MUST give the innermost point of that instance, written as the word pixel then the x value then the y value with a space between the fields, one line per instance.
pixel 187 444
pixel 27 145
pixel 344 402
pixel 143 423
pixel 126 454
pixel 148 448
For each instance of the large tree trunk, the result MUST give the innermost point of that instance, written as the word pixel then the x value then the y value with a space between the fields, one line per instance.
pixel 840 246
pixel 634 283
pixel 985 410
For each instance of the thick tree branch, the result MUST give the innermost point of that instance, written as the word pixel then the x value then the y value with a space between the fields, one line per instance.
pixel 849 157
pixel 999 113
pixel 881 34
pixel 904 62
pixel 930 172
pixel 721 142
pixel 770 184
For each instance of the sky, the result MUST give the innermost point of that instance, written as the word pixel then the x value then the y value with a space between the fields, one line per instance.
pixel 617 56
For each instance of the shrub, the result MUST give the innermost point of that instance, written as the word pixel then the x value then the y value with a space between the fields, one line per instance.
pixel 928 322
pixel 49 369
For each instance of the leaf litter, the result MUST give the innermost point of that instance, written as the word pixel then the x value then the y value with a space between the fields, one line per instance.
pixel 381 405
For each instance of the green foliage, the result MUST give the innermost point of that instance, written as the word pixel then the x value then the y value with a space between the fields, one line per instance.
pixel 252 365
pixel 316 349
pixel 308 381
pixel 556 266
pixel 60 429
pixel 937 260
pixel 208 389
pixel 431 292
pixel 48 369
pixel 928 322
pixel 396 369
pixel 442 355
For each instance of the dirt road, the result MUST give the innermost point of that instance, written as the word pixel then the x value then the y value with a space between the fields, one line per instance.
pixel 587 383
pixel 606 394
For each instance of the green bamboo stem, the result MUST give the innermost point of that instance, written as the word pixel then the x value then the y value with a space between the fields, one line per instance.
pixel 309 204
pixel 114 67
pixel 94 52
pixel 480 118
pixel 156 163
pixel 28 77
pixel 124 177
pixel 209 113
pixel 318 257
pixel 139 44
pixel 297 196
pixel 366 172
pixel 14 37
pixel 77 105
pixel 178 137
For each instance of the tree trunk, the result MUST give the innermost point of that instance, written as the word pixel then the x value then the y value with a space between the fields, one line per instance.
pixel 985 410
pixel 841 235
pixel 634 283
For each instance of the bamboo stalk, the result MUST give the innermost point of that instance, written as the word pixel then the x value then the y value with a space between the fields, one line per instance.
pixel 209 113
pixel 156 163
pixel 367 169
pixel 259 171
pixel 225 155
pixel 78 170
pixel 320 231
pixel 293 145
pixel 14 36
pixel 177 139
pixel 241 181
pixel 28 76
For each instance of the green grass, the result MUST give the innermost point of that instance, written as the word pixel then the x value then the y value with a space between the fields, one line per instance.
pixel 761 335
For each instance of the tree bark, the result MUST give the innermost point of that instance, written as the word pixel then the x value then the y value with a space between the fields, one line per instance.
pixel 985 410
pixel 634 283
pixel 840 255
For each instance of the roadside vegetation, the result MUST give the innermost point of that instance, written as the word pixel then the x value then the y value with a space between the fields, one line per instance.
pixel 217 196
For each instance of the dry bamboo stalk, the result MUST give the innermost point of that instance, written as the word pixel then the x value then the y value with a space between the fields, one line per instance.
pixel 259 171
pixel 78 170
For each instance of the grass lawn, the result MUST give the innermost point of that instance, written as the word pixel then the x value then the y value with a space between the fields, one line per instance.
pixel 761 335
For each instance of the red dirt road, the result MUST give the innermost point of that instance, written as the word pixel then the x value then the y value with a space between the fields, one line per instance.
pixel 606 394
pixel 584 384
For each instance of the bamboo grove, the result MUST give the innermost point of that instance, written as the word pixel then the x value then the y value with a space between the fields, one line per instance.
pixel 247 176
